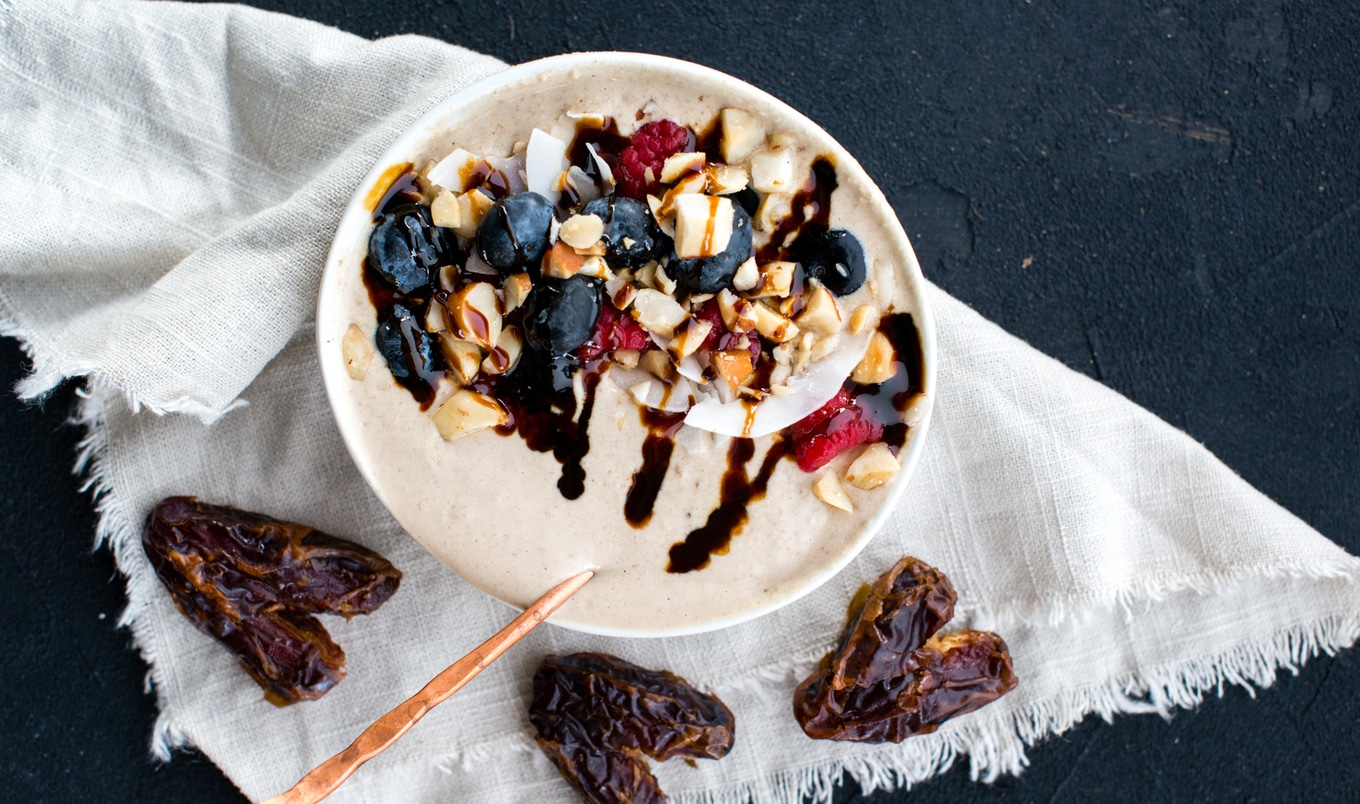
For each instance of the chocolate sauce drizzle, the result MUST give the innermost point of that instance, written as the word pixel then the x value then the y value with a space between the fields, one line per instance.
pixel 727 520
pixel 656 461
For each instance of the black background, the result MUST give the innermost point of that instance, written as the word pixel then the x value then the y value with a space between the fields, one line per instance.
pixel 1162 197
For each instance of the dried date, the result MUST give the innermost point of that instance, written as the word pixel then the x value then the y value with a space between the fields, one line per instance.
pixel 254 582
pixel 596 715
pixel 893 675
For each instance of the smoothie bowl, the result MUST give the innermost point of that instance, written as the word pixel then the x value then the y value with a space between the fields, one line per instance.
pixel 620 312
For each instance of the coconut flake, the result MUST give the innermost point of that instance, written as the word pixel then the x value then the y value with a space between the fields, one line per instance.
pixel 448 172
pixel 585 187
pixel 512 169
pixel 545 162
pixel 606 173
pixel 808 391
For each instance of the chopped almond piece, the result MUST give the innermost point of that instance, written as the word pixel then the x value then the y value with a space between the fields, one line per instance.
pixel 628 358
pixel 875 466
pixel 689 339
pixel 467 412
pixel 681 164
pixel 475 314
pixel 828 489
pixel 733 365
pixel 562 262
pixel 516 288
pixel 820 313
pixel 463 357
pixel 742 134
pixel 747 276
pixel 727 179
pixel 656 363
pixel 446 211
pixel 703 225
pixel 738 314
pixel 357 349
pixel 658 313
pixel 503 358
pixel 772 325
pixel 877 363
pixel 776 278
pixel 581 231
pixel 860 318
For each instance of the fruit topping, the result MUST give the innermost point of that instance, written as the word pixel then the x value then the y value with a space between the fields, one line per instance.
pixel 559 316
pixel 614 331
pixel 837 426
pixel 640 164
pixel 712 274
pixel 835 258
pixel 411 352
pixel 513 235
pixel 406 247
pixel 631 236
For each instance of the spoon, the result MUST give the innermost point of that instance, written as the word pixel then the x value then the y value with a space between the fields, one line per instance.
pixel 322 780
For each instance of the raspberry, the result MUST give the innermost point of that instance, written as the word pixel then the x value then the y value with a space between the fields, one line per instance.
pixel 613 330
pixel 708 311
pixel 837 426
pixel 650 146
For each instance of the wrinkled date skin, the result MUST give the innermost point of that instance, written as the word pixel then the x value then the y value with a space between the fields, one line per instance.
pixel 253 583
pixel 893 675
pixel 596 715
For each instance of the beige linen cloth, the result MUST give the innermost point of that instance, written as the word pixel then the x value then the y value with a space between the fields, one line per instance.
pixel 170 177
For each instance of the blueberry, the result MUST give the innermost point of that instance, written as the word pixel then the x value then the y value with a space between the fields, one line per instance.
pixel 627 220
pixel 412 354
pixel 747 199
pixel 833 257
pixel 406 247
pixel 712 274
pixel 513 236
pixel 560 316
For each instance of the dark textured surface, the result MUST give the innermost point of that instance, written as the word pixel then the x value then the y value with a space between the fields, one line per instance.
pixel 1163 197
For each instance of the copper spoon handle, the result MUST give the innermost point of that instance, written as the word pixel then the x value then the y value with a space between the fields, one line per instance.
pixel 386 730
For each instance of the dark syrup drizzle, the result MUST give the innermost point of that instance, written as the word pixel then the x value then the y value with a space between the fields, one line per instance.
pixel 726 521
pixel 656 460
pixel 810 214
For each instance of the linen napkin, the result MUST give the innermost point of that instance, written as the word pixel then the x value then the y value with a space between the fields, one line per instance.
pixel 171 177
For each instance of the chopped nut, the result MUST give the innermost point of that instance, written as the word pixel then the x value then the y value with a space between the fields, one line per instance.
pixel 505 355
pixel 445 210
pixel 824 347
pixel 448 277
pixel 747 276
pixel 581 231
pixel 732 365
pixel 860 318
pixel 688 340
pixel 772 171
pixel 681 164
pixel 727 179
pixel 703 225
pixel 656 363
pixel 877 363
pixel 436 318
pixel 820 313
pixel 561 262
pixel 738 314
pixel 467 412
pixel 463 357
pixel 772 210
pixel 664 218
pixel 596 267
pixel 803 354
pixel 475 314
pixel 788 305
pixel 742 133
pixel 696 300
pixel 357 349
pixel 663 282
pixel 620 292
pixel 828 489
pixel 628 358
pixel 646 275
pixel 917 410
pixel 775 279
pixel 772 325
pixel 516 288
pixel 693 184
pixel 875 466
pixel 472 205
pixel 657 312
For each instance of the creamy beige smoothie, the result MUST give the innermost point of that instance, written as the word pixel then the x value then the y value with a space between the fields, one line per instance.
pixel 490 508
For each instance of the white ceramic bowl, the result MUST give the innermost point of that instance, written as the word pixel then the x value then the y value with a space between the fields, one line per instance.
pixel 479 503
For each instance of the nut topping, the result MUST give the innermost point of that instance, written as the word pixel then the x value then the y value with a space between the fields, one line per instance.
pixel 828 489
pixel 877 363
pixel 703 225
pixel 581 231
pixel 875 466
pixel 467 412
pixel 742 134
pixel 357 349
pixel 476 315
pixel 820 313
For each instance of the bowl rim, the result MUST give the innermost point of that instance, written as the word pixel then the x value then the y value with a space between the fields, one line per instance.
pixel 333 373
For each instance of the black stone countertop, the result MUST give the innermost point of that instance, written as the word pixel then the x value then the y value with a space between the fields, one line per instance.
pixel 1164 197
